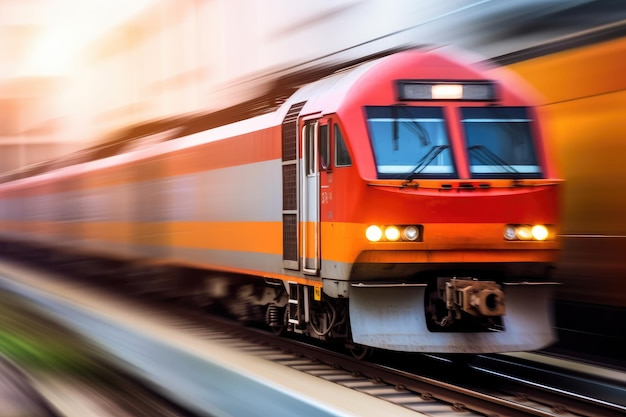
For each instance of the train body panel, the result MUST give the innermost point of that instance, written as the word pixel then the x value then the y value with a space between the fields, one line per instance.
pixel 528 322
pixel 410 171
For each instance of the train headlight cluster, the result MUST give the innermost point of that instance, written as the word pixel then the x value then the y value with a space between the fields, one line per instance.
pixel 527 232
pixel 392 233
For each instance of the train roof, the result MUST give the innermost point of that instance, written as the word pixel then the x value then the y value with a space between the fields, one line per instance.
pixel 374 81
pixel 328 94
pixel 323 90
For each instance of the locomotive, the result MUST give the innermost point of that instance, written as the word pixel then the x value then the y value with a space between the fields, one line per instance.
pixel 407 203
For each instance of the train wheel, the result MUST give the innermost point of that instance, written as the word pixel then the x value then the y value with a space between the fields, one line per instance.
pixel 275 318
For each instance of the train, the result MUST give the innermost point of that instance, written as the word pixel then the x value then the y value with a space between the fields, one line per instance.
pixel 408 203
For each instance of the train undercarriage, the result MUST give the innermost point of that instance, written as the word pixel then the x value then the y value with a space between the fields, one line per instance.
pixel 433 314
pixel 445 314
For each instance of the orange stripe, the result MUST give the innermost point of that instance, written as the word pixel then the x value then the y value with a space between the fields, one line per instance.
pixel 249 148
pixel 261 237
pixel 190 236
pixel 342 242
pixel 262 145
pixel 259 146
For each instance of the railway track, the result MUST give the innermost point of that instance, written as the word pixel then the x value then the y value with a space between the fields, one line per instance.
pixel 489 386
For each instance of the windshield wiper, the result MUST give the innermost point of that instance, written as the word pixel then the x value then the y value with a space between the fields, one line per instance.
pixel 416 128
pixel 426 160
pixel 488 157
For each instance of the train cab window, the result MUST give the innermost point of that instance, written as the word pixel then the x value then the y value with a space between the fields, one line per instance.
pixel 324 147
pixel 342 157
pixel 410 142
pixel 499 142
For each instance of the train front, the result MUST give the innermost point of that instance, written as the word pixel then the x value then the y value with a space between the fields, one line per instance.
pixel 453 209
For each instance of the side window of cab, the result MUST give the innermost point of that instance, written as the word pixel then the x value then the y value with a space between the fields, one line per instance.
pixel 324 147
pixel 342 157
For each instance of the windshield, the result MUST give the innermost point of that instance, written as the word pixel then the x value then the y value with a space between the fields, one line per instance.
pixel 409 142
pixel 499 142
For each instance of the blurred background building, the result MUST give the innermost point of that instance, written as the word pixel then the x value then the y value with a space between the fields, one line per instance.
pixel 72 71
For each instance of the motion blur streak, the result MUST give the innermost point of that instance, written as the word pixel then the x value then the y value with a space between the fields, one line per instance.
pixel 71 73
pixel 584 93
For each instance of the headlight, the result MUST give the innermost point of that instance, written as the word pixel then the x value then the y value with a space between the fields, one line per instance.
pixel 392 233
pixel 509 232
pixel 411 233
pixel 539 232
pixel 374 233
pixel 524 233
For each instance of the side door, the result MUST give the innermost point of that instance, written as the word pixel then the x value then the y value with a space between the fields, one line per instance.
pixel 310 204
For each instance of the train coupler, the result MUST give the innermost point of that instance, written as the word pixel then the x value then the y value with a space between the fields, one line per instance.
pixel 477 298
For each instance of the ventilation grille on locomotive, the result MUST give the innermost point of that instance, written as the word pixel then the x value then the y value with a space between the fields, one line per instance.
pixel 290 186
pixel 290 237
pixel 290 134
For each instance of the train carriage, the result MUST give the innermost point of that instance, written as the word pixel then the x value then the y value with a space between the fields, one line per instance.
pixel 407 203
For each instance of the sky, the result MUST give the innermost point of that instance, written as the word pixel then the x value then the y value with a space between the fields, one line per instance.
pixel 66 26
